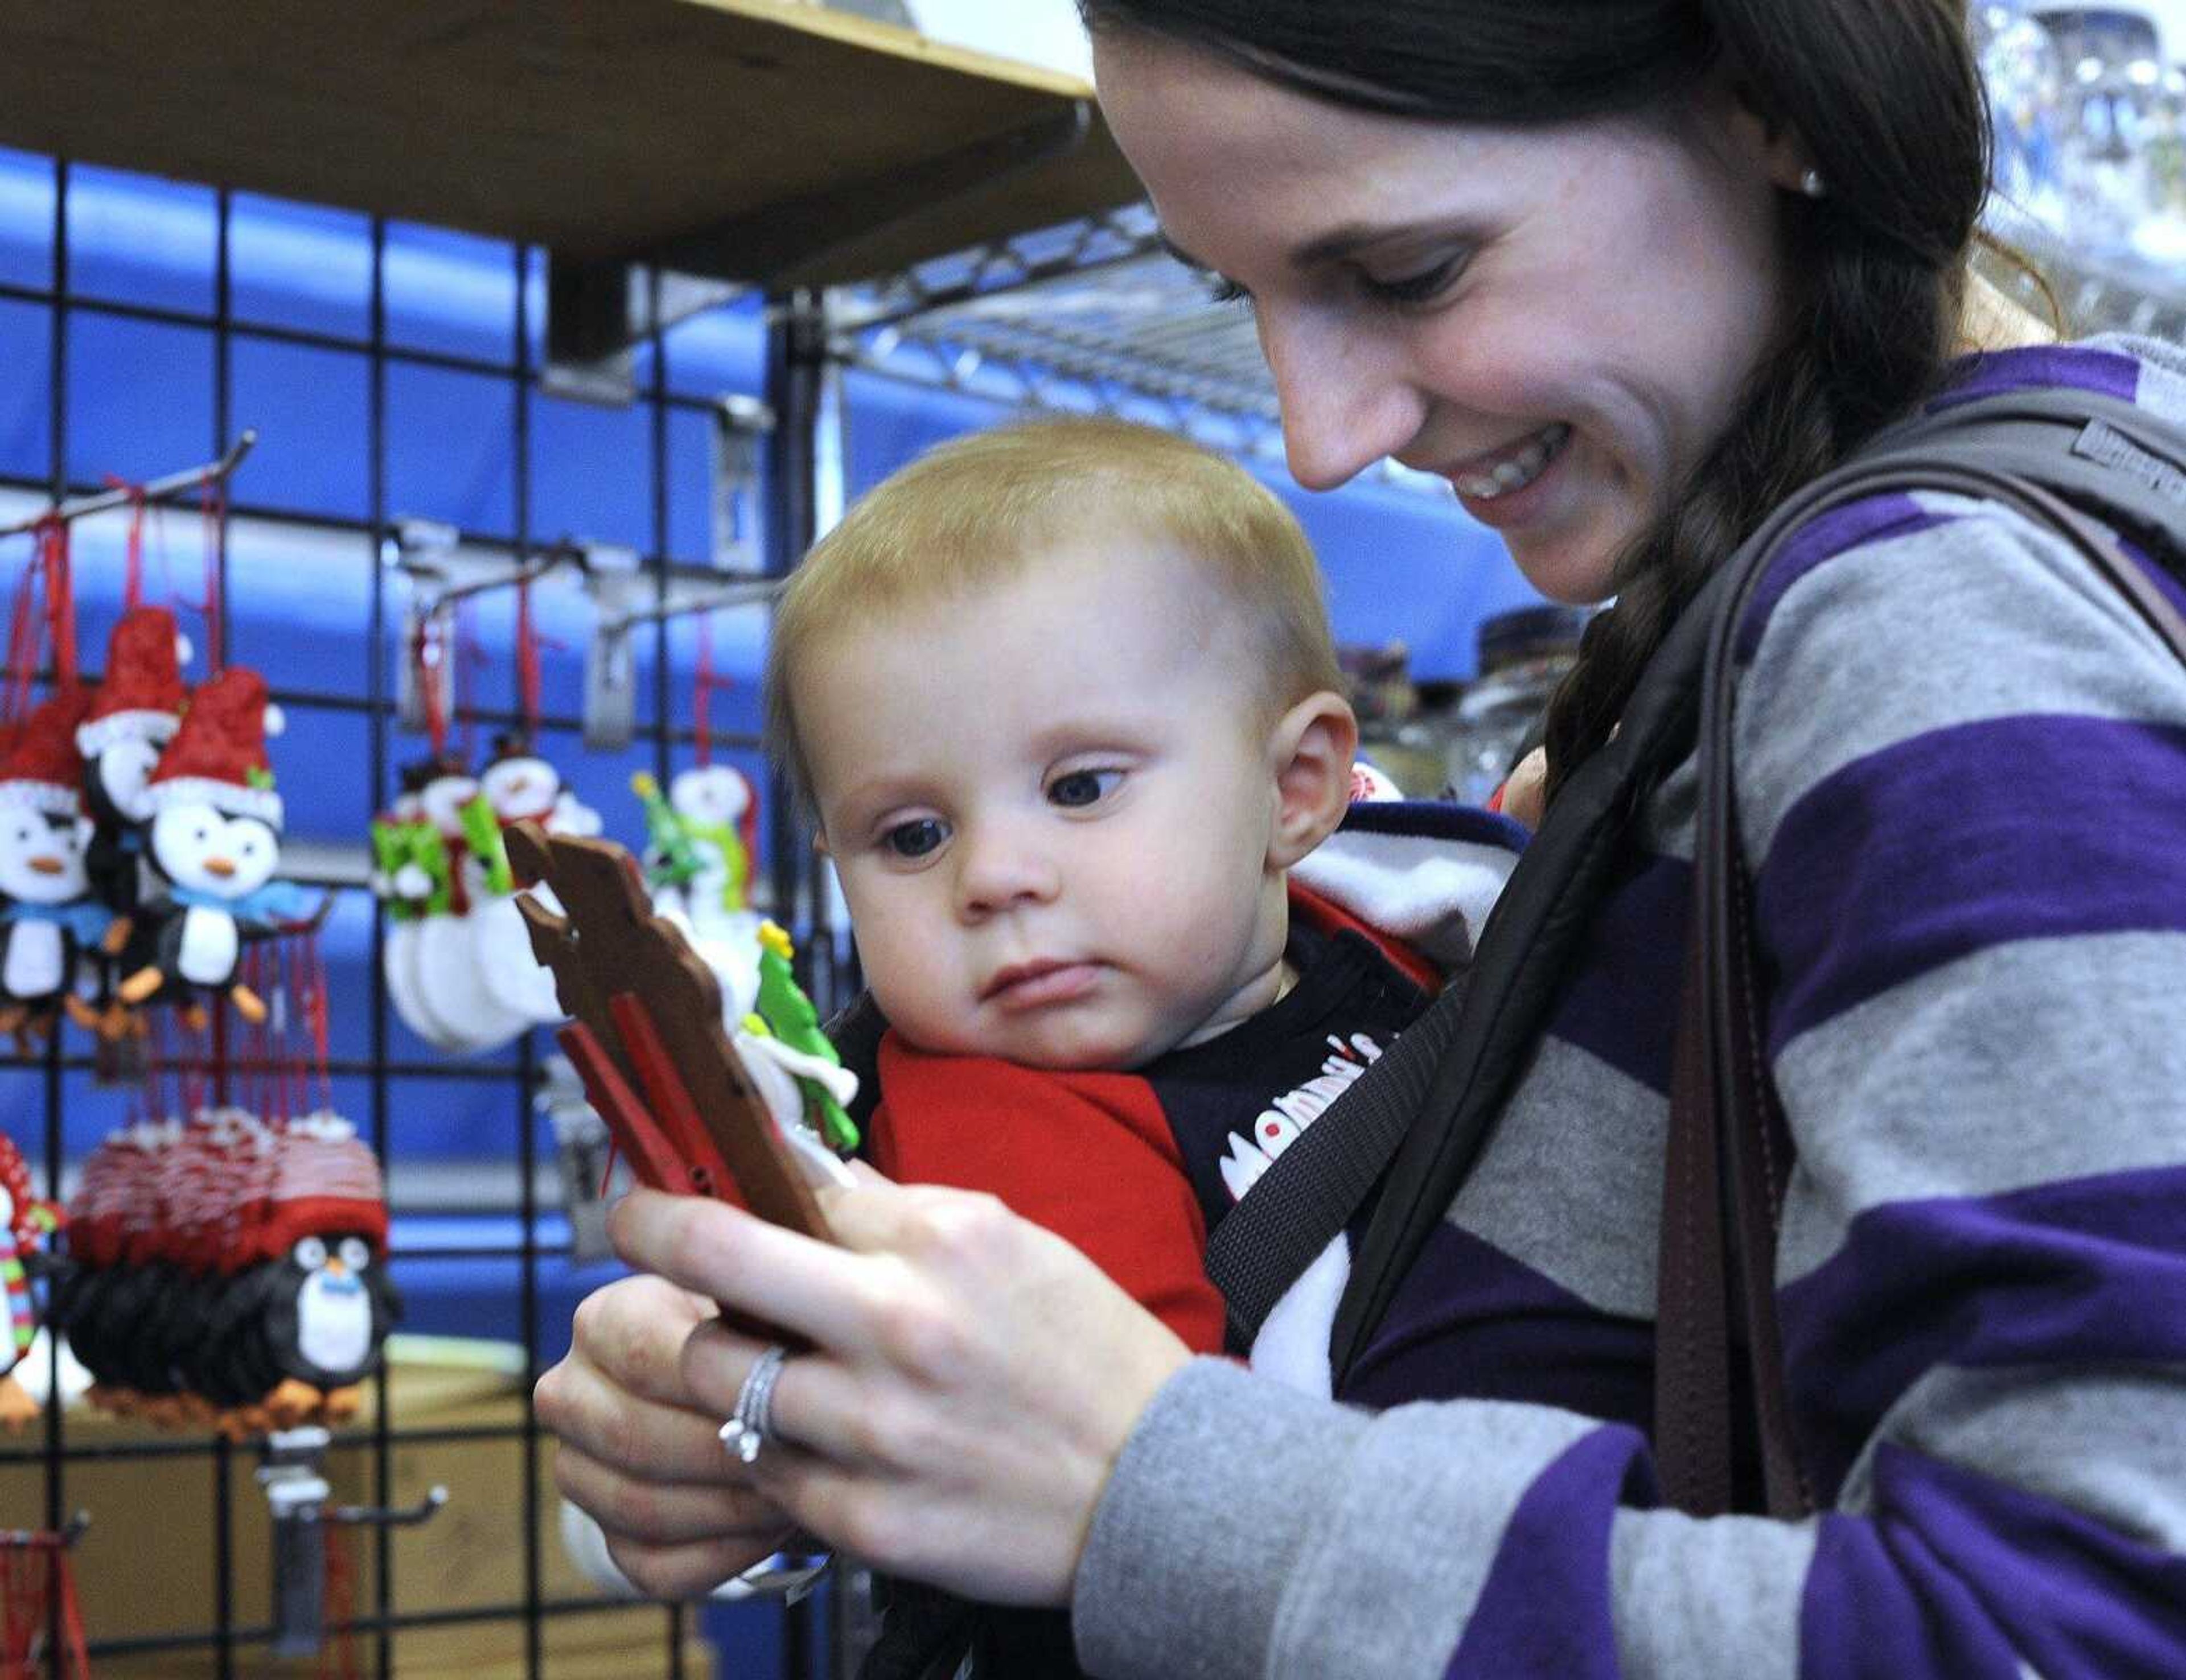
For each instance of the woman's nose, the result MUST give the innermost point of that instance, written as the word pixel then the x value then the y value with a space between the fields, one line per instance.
pixel 999 867
pixel 1345 393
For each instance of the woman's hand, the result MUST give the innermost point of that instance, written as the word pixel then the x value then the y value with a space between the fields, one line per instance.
pixel 638 1451
pixel 971 1380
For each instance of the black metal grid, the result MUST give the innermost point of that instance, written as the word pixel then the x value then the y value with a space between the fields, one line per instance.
pixel 233 1646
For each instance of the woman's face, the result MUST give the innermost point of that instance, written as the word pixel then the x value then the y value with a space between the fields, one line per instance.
pixel 1557 319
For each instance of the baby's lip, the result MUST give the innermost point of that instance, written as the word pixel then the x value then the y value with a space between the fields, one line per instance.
pixel 1042 980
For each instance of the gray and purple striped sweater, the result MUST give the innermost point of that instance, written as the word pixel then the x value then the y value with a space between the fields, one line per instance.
pixel 1962 785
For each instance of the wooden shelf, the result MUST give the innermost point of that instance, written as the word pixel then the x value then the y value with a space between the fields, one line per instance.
pixel 764 141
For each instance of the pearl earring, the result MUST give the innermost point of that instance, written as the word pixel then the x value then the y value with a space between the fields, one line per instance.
pixel 1812 184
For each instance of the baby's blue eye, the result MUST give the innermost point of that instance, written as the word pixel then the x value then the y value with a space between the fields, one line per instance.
pixel 915 839
pixel 1081 787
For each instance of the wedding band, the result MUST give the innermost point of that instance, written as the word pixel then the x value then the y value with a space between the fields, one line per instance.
pixel 751 1425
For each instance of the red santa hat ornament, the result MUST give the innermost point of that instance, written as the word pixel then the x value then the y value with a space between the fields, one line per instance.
pixel 218 756
pixel 141 694
pixel 41 768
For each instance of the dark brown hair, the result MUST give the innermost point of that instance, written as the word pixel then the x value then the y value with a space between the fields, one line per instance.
pixel 1888 100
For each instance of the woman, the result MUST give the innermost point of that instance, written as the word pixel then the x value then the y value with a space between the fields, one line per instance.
pixel 1628 274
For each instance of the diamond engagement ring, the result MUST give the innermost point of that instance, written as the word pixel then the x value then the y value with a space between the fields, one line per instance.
pixel 751 1425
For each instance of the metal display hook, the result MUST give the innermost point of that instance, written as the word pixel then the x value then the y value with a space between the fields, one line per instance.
pixel 294 1476
pixel 442 577
pixel 159 490
pixel 610 717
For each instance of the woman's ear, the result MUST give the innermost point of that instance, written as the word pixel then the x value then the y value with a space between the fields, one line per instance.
pixel 1766 144
pixel 1311 748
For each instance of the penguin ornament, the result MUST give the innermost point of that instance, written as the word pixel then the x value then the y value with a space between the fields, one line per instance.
pixel 47 916
pixel 214 844
pixel 299 1333
pixel 135 713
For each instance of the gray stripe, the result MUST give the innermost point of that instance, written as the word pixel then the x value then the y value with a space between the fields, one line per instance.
pixel 1210 1506
pixel 1921 619
pixel 1719 1597
pixel 2019 1066
pixel 1395 1565
pixel 1669 819
pixel 1248 1531
pixel 2163 386
pixel 2110 1444
pixel 1570 1181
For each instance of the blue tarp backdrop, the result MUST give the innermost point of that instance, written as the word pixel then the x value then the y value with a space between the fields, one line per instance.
pixel 139 400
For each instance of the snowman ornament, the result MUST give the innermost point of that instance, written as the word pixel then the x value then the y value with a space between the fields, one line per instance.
pixel 715 802
pixel 215 842
pixel 522 786
pixel 48 915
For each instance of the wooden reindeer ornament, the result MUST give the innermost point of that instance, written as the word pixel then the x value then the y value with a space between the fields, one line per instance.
pixel 647 1038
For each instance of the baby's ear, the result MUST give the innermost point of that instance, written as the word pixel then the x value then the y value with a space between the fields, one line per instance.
pixel 1311 748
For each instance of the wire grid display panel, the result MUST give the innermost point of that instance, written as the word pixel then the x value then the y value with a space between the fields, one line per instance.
pixel 392 372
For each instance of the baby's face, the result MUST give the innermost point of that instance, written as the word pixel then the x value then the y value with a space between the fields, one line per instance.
pixel 1052 805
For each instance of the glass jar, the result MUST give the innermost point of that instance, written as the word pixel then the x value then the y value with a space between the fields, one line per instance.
pixel 1523 655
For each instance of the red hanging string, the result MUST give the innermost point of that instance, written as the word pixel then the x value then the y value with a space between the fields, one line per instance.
pixel 22 647
pixel 132 574
pixel 427 653
pixel 470 656
pixel 315 1013
pixel 702 693
pixel 60 597
pixel 527 662
pixel 213 509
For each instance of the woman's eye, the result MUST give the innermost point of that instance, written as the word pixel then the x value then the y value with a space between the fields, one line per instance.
pixel 1224 290
pixel 1082 787
pixel 1422 286
pixel 915 839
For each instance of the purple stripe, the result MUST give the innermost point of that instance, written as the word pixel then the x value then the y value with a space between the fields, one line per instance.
pixel 1839 531
pixel 1960 1575
pixel 1620 1002
pixel 1468 1322
pixel 1963 838
pixel 2040 366
pixel 2088 1271
pixel 2167 583
pixel 1544 1609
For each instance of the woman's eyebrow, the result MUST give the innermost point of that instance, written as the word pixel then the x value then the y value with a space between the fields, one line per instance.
pixel 1181 254
pixel 1346 241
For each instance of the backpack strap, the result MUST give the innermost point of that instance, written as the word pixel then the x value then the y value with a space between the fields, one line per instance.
pixel 1730 1152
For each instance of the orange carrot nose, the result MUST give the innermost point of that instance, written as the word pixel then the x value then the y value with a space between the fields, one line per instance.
pixel 219 866
pixel 335 1269
pixel 47 865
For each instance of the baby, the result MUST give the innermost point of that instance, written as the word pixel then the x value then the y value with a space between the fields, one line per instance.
pixel 1063 701
pixel 1062 698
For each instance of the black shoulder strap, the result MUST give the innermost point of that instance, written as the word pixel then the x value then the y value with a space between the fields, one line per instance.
pixel 1522 953
pixel 1264 1244
pixel 2103 456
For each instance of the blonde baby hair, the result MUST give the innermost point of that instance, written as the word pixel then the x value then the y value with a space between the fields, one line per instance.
pixel 979 510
